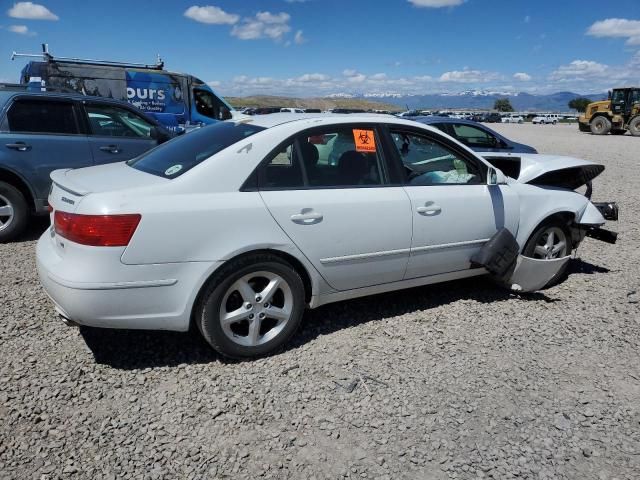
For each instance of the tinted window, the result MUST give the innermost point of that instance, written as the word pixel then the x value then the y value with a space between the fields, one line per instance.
pixel 172 159
pixel 111 121
pixel 40 116
pixel 210 106
pixel 431 163
pixel 283 170
pixel 473 136
pixel 342 157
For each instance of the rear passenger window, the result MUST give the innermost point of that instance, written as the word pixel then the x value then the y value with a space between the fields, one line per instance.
pixel 42 116
pixel 283 171
pixel 342 157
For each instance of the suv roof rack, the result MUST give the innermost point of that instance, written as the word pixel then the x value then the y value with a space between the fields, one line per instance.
pixel 25 87
pixel 159 65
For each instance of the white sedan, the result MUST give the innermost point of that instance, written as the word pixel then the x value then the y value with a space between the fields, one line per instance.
pixel 238 227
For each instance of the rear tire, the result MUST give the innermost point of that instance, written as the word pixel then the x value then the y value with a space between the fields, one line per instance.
pixel 14 212
pixel 600 125
pixel 541 246
pixel 634 126
pixel 240 317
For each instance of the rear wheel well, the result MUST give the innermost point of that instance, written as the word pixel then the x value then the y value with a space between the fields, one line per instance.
pixel 14 180
pixel 293 261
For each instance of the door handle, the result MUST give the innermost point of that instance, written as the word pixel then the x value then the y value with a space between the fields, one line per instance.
pixel 19 146
pixel 429 209
pixel 307 217
pixel 110 148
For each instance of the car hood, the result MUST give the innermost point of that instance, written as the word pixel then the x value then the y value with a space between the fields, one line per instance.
pixel 549 170
pixel 103 178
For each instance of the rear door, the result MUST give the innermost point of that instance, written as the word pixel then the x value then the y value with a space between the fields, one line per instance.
pixel 331 191
pixel 42 134
pixel 116 133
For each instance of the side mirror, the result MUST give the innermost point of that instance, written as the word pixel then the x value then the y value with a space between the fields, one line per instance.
pixel 496 177
pixel 158 135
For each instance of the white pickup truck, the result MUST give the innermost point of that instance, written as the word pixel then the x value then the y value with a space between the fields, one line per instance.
pixel 547 118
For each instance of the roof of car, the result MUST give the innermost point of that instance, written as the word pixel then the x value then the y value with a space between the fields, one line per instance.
pixel 6 94
pixel 428 119
pixel 273 119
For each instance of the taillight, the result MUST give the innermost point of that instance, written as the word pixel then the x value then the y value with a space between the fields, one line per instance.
pixel 96 230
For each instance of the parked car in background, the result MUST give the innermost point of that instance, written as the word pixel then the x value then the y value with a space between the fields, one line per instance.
pixel 493 117
pixel 475 135
pixel 164 241
pixel 546 119
pixel 42 132
pixel 291 110
pixel 512 118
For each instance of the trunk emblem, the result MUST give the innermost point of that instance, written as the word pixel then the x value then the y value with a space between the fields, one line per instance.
pixel 67 200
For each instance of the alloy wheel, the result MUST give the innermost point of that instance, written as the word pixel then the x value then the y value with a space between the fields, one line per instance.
pixel 6 213
pixel 552 243
pixel 256 308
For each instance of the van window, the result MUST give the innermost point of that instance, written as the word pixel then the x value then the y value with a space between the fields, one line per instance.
pixel 177 156
pixel 210 106
pixel 42 116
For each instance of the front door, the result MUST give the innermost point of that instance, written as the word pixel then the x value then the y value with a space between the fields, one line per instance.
pixel 116 133
pixel 329 191
pixel 454 211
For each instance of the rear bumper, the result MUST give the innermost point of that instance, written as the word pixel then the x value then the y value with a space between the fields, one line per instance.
pixel 154 297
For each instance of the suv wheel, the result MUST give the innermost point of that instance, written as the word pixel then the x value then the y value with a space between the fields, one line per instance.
pixel 14 212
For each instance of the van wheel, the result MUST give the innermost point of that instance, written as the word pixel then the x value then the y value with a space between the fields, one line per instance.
pixel 14 212
pixel 634 126
pixel 251 307
pixel 549 241
pixel 600 125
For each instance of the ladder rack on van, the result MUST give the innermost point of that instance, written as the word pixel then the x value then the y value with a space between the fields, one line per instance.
pixel 159 65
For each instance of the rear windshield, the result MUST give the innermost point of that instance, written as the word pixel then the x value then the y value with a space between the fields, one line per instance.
pixel 172 159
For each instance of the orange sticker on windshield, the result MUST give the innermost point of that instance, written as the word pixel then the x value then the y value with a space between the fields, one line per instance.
pixel 365 141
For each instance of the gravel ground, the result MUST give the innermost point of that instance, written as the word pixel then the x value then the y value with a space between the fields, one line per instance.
pixel 461 380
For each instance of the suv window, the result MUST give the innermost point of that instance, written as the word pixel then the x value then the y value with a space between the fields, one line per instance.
pixel 172 159
pixel 42 116
pixel 336 157
pixel 112 121
pixel 430 163
pixel 474 136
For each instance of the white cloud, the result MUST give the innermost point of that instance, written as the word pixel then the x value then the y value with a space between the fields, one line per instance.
pixel 579 71
pixel 436 3
pixel 523 77
pixel 299 38
pixel 20 29
pixel 211 15
pixel 313 77
pixel 31 11
pixel 468 76
pixel 617 28
pixel 263 25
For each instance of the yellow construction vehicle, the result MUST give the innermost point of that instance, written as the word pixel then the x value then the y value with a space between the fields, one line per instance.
pixel 616 115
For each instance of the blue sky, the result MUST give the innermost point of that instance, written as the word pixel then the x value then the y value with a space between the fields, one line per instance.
pixel 319 47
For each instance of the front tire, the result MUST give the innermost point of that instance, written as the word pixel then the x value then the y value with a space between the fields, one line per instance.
pixel 551 240
pixel 634 126
pixel 252 307
pixel 600 125
pixel 14 212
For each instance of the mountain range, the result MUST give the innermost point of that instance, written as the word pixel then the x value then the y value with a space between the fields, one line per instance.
pixel 476 99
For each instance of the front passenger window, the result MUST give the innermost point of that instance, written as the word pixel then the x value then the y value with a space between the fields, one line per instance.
pixel 430 163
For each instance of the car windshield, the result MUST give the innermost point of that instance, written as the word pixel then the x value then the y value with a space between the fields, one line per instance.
pixel 172 159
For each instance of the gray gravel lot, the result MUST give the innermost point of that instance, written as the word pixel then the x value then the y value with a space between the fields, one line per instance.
pixel 461 380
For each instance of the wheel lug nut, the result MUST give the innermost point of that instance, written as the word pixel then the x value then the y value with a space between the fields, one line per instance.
pixel 266 305
pixel 258 298
pixel 248 306
pixel 262 315
pixel 251 316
